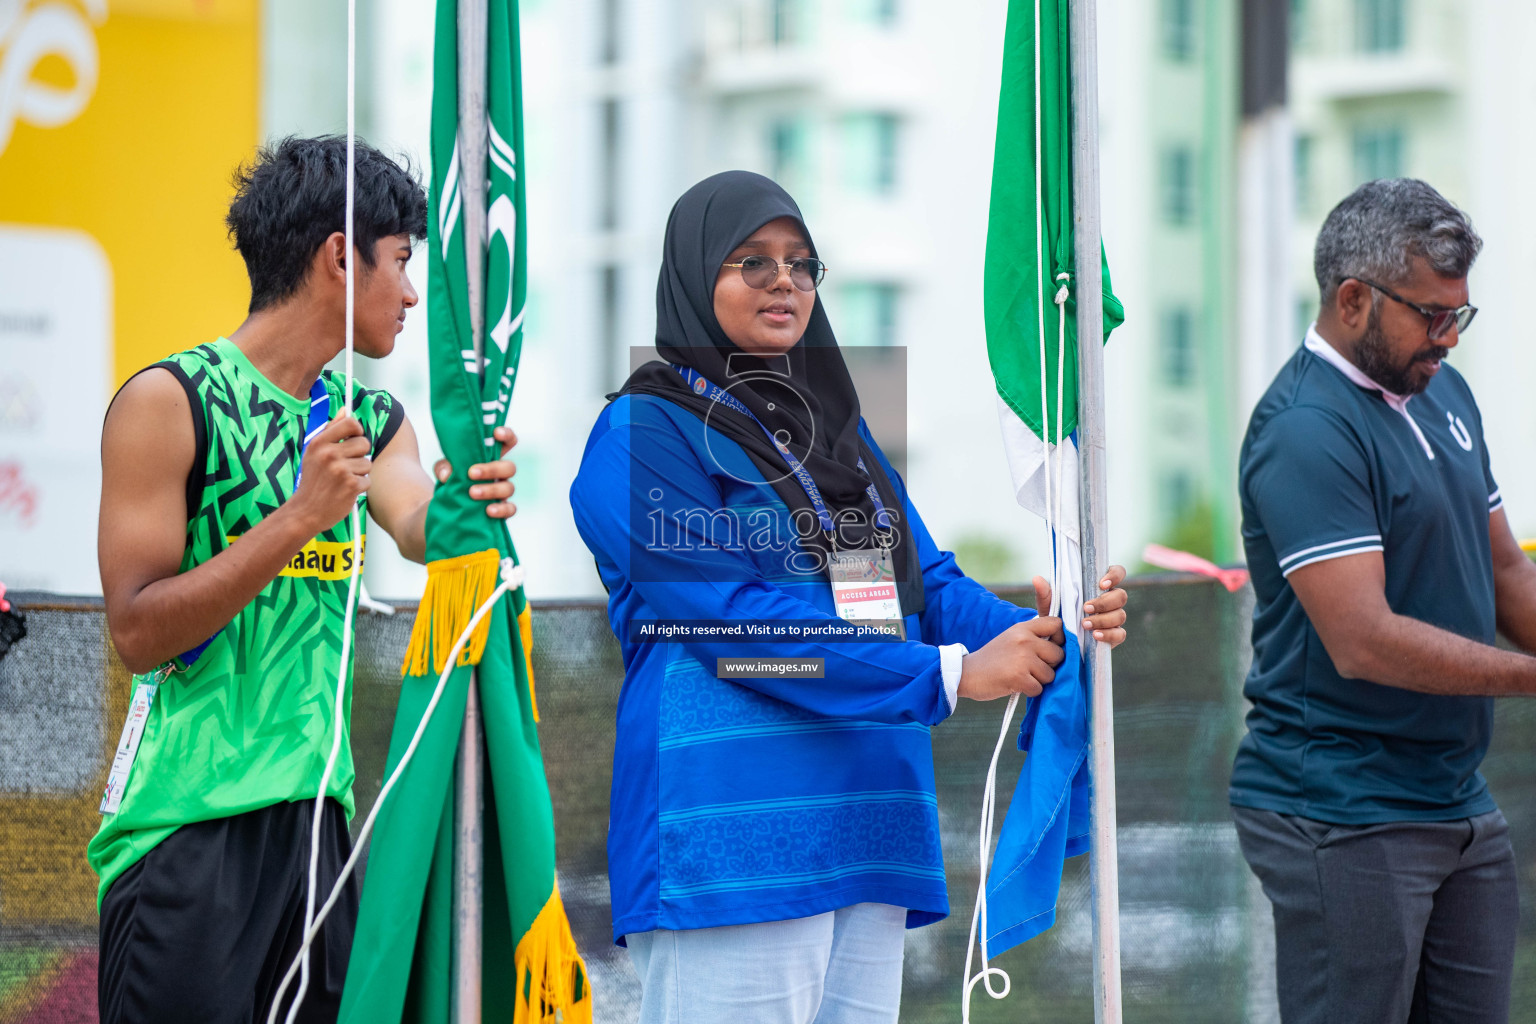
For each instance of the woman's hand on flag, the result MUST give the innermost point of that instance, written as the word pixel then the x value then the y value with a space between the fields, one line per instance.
pixel 1021 659
pixel 492 480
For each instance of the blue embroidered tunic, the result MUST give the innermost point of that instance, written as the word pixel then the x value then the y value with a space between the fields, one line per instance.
pixel 737 801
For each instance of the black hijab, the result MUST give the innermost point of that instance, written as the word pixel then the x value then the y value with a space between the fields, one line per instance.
pixel 806 397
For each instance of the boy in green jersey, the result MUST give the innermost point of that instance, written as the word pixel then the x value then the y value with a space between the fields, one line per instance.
pixel 229 472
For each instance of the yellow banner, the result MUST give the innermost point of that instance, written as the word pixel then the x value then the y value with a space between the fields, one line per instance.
pixel 120 124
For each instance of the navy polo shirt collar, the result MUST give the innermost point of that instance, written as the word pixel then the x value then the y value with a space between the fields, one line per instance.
pixel 1317 344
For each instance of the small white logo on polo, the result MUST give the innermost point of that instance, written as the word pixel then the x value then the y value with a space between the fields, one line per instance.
pixel 1459 431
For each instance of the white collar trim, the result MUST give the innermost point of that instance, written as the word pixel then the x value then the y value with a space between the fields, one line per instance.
pixel 1317 344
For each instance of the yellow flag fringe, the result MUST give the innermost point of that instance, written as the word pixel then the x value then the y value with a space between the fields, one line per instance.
pixel 525 632
pixel 551 977
pixel 456 587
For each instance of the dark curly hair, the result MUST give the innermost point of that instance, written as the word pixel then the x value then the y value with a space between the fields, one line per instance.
pixel 292 197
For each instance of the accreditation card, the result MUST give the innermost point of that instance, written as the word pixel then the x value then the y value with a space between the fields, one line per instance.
pixel 864 590
pixel 128 744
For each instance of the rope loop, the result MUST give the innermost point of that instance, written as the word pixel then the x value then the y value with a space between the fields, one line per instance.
pixel 512 574
pixel 978 934
pixel 985 977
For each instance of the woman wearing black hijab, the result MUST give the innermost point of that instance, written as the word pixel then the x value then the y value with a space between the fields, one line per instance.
pixel 770 832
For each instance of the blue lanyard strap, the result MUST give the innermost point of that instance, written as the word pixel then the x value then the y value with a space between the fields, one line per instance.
pixel 704 389
pixel 319 416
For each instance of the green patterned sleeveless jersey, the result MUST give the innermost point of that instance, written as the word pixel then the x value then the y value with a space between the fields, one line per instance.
pixel 248 723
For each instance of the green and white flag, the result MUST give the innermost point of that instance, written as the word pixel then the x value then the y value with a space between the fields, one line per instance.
pixel 1029 294
pixel 402 957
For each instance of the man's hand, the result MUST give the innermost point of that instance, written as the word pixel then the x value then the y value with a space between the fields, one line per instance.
pixel 1346 602
pixel 1020 659
pixel 1105 613
pixel 493 479
pixel 336 470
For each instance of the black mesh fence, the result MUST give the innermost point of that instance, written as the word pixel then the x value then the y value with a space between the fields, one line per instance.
pixel 1196 947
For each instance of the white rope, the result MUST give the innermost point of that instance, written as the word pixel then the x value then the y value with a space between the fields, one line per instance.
pixel 511 578
pixel 978 934
pixel 1045 419
pixel 301 961
pixel 979 912
pixel 1062 294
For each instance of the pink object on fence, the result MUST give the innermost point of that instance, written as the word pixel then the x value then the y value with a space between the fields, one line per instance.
pixel 1183 561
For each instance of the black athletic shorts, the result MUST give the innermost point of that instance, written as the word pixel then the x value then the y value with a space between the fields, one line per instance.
pixel 204 927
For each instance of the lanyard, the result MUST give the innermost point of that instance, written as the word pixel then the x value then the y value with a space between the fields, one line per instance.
pixel 319 415
pixel 704 389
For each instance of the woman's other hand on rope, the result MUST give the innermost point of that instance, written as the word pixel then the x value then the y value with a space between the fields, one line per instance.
pixel 492 480
pixel 1105 614
pixel 1021 659
pixel 336 470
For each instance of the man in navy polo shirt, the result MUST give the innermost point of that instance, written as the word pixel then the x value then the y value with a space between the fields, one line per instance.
pixel 1383 567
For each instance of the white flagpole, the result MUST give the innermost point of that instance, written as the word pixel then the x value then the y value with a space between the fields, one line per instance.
pixel 469 774
pixel 1104 869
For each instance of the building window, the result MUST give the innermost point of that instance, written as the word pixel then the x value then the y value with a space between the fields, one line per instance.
pixel 1178 345
pixel 1178 185
pixel 608 165
pixel 1379 152
pixel 1298 26
pixel 608 325
pixel 784 22
pixel 786 150
pixel 1301 169
pixel 1306 313
pixel 1180 30
pixel 1380 25
pixel 870 144
pixel 1176 494
pixel 874 12
pixel 866 313
pixel 608 31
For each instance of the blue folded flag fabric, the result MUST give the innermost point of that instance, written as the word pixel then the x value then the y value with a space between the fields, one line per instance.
pixel 1047 818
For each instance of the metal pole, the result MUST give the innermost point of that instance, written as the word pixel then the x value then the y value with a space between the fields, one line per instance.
pixel 1104 865
pixel 469 773
pixel 468 862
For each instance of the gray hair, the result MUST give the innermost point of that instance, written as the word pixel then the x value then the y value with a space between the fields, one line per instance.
pixel 1378 229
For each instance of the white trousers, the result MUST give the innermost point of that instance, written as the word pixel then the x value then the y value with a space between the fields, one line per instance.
pixel 842 967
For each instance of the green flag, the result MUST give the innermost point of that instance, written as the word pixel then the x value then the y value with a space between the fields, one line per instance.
pixel 1029 230
pixel 1029 263
pixel 402 956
